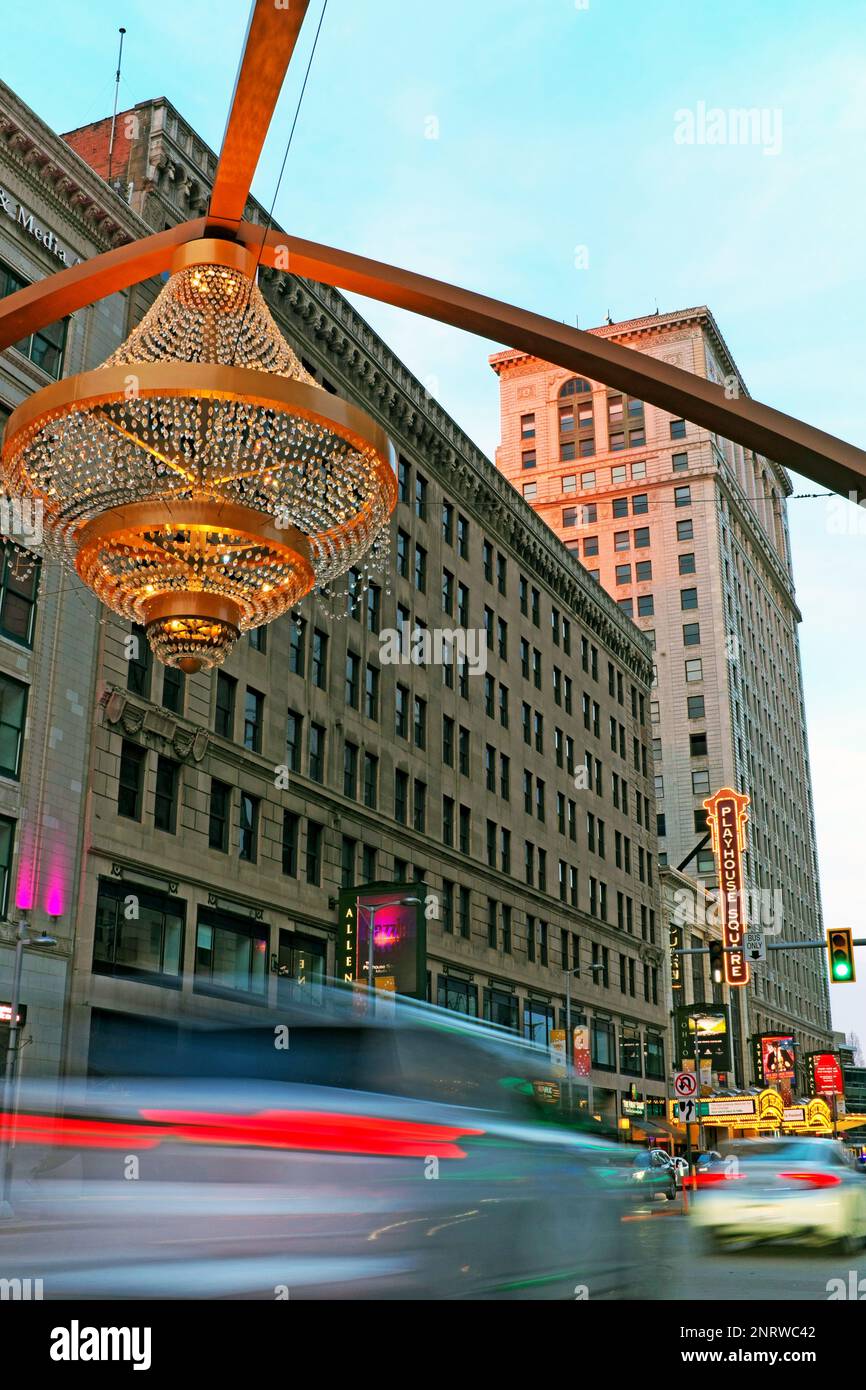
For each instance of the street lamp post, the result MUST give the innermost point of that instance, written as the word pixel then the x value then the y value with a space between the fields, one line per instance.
pixel 9 1104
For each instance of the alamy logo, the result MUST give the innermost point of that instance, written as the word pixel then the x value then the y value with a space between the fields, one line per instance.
pixel 20 1290
pixel 21 519
pixel 77 1343
pixel 434 646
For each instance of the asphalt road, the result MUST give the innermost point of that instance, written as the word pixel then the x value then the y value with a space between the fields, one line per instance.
pixel 674 1265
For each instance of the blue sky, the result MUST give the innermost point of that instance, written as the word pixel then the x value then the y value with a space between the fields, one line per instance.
pixel 554 126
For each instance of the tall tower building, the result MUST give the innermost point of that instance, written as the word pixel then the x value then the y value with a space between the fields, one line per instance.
pixel 688 532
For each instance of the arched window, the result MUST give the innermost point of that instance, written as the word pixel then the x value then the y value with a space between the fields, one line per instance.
pixel 575 386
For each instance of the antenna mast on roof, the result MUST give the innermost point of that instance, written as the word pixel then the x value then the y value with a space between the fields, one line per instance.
pixel 122 31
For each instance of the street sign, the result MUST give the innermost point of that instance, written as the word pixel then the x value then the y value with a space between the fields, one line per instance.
pixel 688 1111
pixel 755 944
pixel 685 1084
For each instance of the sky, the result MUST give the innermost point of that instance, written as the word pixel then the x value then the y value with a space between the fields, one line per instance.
pixel 575 157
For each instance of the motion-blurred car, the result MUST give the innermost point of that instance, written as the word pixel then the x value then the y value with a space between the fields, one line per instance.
pixel 654 1170
pixel 324 1154
pixel 804 1190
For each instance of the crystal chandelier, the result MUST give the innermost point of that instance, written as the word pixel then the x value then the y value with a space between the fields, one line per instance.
pixel 200 482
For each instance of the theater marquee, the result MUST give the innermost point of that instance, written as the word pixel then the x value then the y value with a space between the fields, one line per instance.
pixel 726 817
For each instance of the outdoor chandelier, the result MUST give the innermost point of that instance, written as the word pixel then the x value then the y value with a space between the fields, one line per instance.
pixel 200 482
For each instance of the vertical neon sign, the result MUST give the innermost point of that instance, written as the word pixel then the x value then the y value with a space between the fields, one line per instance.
pixel 726 817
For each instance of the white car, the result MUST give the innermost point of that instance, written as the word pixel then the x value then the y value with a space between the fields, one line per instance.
pixel 782 1189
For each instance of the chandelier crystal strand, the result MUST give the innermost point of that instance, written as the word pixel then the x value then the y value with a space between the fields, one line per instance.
pixel 200 481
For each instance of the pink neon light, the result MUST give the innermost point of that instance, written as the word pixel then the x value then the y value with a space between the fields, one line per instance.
pixel 54 901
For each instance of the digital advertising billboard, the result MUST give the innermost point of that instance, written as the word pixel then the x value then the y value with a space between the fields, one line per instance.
pixel 392 916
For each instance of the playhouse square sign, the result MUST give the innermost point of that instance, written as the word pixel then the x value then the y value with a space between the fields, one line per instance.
pixel 24 218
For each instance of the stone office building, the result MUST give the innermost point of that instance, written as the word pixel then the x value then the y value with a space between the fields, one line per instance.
pixel 225 810
pixel 54 211
pixel 688 533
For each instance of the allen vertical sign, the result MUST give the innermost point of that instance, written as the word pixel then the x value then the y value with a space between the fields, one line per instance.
pixel 726 817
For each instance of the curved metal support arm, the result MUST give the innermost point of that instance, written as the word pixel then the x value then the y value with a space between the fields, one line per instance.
pixel 812 452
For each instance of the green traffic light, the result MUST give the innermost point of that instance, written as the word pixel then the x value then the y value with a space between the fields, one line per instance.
pixel 841 970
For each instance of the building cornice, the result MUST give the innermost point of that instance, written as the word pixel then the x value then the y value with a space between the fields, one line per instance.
pixel 99 214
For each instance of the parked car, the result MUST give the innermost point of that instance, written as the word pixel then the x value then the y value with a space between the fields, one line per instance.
pixel 414 1153
pixel 803 1190
pixel 654 1170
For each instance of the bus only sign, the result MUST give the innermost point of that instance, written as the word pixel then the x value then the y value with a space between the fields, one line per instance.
pixel 726 817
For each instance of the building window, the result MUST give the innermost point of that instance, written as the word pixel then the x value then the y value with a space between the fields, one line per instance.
pixel 317 753
pixel 297 647
pixel 404 479
pixel 448 523
pixel 688 598
pixel 538 1021
pixel 603 1044
pixel 401 796
pixel 374 596
pixel 697 745
pixel 685 529
pixel 45 347
pixel 231 954
pixel 419 722
pixel 691 634
pixel 687 563
pixel 696 706
pixel 291 831
pixel 645 606
pixel 701 784
pixel 294 727
pixel 621 540
pixel 683 496
pixel 678 429
pixel 319 661
pixel 315 835
pixel 458 995
pixel 679 462
pixel 590 545
pixel 165 800
pixel 7 848
pixel 130 780
pixel 350 770
pixel 694 669
pixel 249 828
pixel 623 574
pixel 18 595
pixel 140 663
pixel 530 491
pixel 654 1054
pixel 173 688
pixel 148 945
pixel 218 815
pixel 254 704
pixel 371 780
pixel 528 459
pixel 371 692
pixel 353 679
pixel 462 537
pixel 13 715
pixel 224 712
pixel 420 497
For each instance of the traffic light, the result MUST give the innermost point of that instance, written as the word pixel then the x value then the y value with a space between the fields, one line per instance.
pixel 840 949
pixel 717 962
